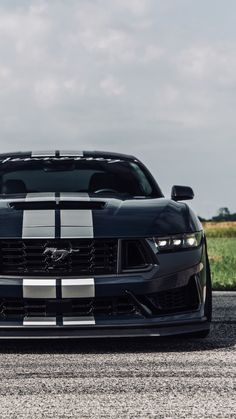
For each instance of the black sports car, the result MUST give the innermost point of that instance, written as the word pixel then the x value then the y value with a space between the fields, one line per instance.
pixel 89 247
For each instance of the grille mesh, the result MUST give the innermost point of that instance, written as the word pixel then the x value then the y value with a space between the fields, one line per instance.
pixel 166 302
pixel 85 257
pixel 16 309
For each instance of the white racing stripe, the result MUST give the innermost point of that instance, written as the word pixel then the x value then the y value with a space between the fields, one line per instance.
pixel 75 196
pixel 43 153
pixel 65 153
pixel 78 321
pixel 76 224
pixel 39 288
pixel 41 223
pixel 78 288
pixel 40 196
pixel 39 321
pixel 38 224
pixel 70 288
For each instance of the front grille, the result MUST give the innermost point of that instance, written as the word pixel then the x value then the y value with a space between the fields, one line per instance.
pixel 11 309
pixel 83 257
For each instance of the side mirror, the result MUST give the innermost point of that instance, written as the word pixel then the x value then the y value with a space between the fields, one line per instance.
pixel 181 193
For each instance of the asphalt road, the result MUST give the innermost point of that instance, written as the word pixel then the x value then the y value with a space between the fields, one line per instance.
pixel 132 378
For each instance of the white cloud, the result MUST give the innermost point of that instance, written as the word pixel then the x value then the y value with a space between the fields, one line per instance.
pixel 111 44
pixel 136 7
pixel 5 73
pixel 47 92
pixel 152 53
pixel 212 63
pixel 112 87
pixel 50 92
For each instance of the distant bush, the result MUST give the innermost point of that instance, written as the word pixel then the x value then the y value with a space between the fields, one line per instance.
pixel 224 215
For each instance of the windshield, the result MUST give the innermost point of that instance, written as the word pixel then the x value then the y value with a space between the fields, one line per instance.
pixel 92 175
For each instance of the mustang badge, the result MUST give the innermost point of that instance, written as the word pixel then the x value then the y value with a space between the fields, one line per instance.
pixel 56 256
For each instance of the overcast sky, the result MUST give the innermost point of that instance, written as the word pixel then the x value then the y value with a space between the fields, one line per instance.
pixel 154 78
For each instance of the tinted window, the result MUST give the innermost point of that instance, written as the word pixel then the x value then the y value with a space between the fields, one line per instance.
pixel 100 176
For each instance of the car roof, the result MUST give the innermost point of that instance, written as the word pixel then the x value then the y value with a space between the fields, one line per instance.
pixel 66 153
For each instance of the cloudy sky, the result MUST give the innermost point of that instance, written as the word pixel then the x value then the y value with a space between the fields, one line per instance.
pixel 154 78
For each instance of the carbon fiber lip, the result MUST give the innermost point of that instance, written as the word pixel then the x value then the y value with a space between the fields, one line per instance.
pixel 85 333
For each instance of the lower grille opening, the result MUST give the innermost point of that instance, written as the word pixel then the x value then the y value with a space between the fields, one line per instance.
pixel 11 309
pixel 161 303
pixel 175 300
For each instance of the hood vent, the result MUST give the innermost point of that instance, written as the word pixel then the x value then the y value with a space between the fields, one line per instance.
pixel 44 205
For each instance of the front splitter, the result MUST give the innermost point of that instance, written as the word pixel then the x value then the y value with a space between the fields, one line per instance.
pixel 85 333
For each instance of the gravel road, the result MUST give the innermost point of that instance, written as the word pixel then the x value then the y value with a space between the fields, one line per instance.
pixel 132 378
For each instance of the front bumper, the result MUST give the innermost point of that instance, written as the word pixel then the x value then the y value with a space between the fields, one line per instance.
pixel 167 300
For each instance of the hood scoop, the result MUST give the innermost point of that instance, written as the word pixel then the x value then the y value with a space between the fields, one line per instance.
pixel 57 204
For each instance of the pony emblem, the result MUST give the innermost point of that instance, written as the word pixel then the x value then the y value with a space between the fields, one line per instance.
pixel 54 256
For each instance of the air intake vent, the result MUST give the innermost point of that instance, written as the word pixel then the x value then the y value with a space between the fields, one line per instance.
pixel 135 256
pixel 38 205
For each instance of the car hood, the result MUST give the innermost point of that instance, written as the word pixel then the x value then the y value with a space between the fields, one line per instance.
pixel 39 215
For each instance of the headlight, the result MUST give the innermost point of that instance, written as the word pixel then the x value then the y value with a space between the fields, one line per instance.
pixel 178 242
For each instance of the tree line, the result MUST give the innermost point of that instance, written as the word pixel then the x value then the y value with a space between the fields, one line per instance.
pixel 223 214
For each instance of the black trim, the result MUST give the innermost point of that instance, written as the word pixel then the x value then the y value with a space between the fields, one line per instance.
pixel 58 289
pixel 12 291
pixel 11 223
pixel 97 332
pixel 59 320
pixel 57 218
pixel 58 204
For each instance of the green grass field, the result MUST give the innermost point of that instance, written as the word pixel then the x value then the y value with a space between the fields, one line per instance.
pixel 221 239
